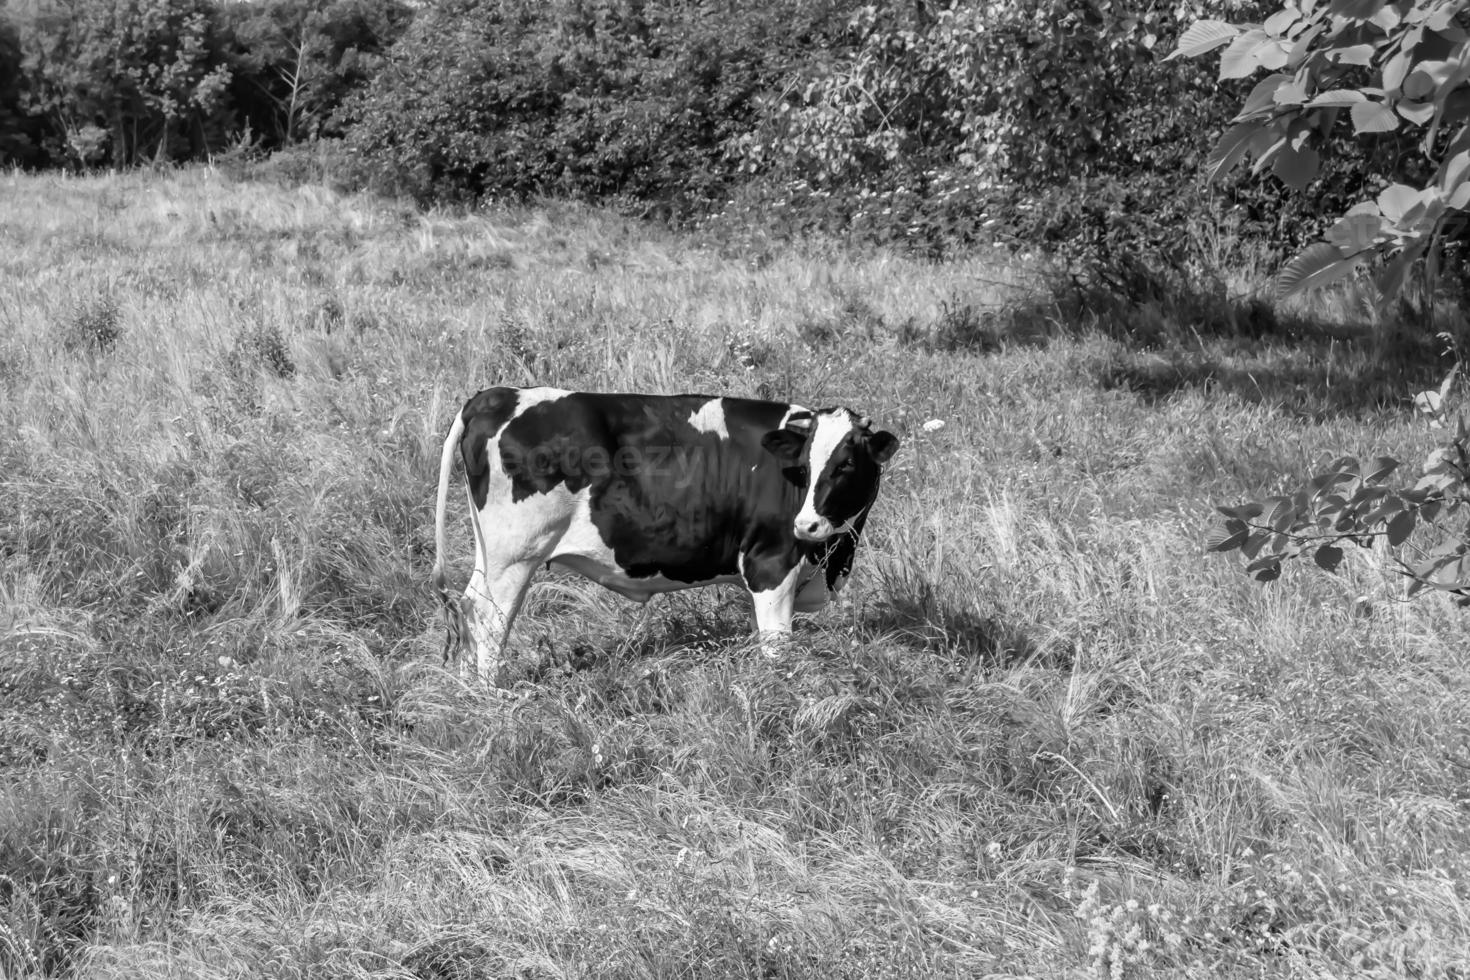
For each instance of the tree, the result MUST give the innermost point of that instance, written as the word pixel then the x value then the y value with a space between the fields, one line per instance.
pixel 19 134
pixel 295 62
pixel 120 77
pixel 1379 68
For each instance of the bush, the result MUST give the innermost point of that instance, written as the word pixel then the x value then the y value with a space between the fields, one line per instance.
pixel 580 98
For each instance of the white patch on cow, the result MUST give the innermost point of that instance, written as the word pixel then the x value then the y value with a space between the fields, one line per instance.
pixel 802 423
pixel 773 609
pixel 529 397
pixel 826 436
pixel 710 417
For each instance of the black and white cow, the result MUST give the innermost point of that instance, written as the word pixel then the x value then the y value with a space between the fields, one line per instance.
pixel 652 493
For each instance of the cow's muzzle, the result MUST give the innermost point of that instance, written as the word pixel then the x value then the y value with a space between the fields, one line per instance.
pixel 818 530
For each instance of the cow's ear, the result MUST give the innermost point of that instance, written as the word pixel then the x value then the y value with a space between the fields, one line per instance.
pixel 882 445
pixel 784 444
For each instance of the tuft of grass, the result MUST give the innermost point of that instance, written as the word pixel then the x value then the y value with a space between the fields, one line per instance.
pixel 93 327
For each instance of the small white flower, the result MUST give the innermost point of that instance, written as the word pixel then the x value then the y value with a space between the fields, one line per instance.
pixel 933 425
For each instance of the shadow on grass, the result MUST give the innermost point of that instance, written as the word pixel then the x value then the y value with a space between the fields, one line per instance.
pixel 924 622
pixel 1179 335
pixel 1312 375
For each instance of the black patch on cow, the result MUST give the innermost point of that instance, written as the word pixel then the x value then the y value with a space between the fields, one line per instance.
pixel 483 415
pixel 667 498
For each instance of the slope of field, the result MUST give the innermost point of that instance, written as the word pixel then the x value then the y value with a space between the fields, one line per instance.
pixel 1044 736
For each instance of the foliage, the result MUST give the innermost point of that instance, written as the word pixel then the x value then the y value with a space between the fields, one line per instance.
pixel 1045 123
pixel 1396 68
pixel 121 80
pixel 586 98
pixel 18 133
pixel 294 62
pixel 1352 501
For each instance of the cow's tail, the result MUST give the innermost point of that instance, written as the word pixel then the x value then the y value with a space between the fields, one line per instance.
pixel 453 614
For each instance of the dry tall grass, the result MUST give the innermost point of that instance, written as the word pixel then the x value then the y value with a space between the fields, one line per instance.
pixel 1045 736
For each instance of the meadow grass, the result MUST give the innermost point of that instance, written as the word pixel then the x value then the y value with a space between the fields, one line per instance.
pixel 1044 734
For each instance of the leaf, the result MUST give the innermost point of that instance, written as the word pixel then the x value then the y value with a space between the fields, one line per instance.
pixel 1450 573
pixel 1394 71
pixel 1296 168
pixel 1387 18
pixel 1378 468
pixel 1386 509
pixel 1425 78
pixel 1228 537
pixel 1280 22
pixel 1429 402
pixel 1328 557
pixel 1395 200
pixel 1303 45
pixel 1355 232
pixel 1337 97
pixel 1272 55
pixel 1264 95
pixel 1400 526
pixel 1373 117
pixel 1266 569
pixel 1316 266
pixel 1417 113
pixel 1243 55
pixel 1357 54
pixel 1454 169
pixel 1230 149
pixel 1202 37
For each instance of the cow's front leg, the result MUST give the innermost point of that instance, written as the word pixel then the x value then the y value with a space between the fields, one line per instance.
pixel 773 608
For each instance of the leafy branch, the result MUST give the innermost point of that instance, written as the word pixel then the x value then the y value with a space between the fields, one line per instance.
pixel 1391 66
pixel 1352 502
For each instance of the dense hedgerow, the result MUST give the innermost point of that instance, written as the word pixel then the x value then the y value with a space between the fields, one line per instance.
pixel 593 99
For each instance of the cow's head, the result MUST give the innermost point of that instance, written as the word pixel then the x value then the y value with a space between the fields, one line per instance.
pixel 836 458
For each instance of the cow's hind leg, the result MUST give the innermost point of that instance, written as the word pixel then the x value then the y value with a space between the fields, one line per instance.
pixel 493 599
pixel 512 540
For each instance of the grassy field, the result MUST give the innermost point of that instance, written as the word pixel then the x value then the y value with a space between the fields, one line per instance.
pixel 1044 735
